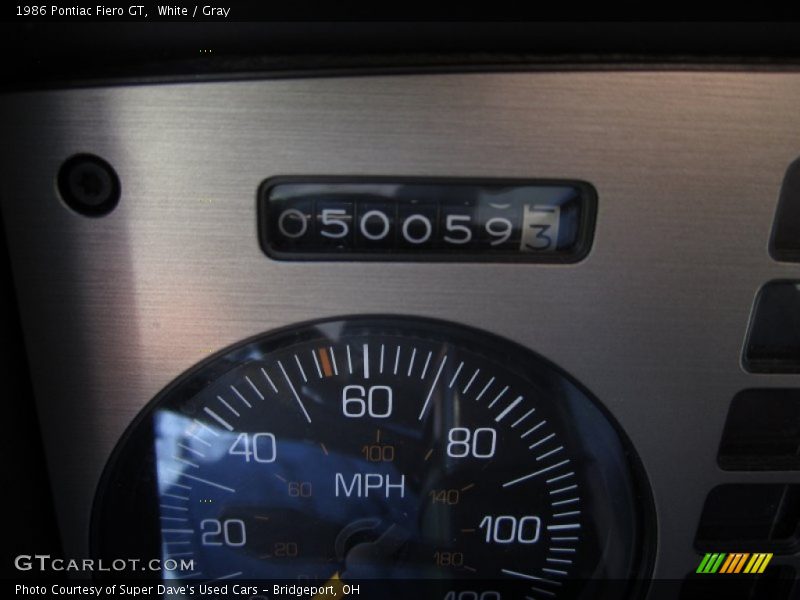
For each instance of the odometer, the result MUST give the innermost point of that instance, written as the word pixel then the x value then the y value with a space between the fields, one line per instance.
pixel 379 448
pixel 424 219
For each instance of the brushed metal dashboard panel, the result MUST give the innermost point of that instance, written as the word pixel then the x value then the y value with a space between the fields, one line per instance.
pixel 687 166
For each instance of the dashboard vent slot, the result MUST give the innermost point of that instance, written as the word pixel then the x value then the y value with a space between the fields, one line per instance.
pixel 773 342
pixel 784 243
pixel 762 432
pixel 751 518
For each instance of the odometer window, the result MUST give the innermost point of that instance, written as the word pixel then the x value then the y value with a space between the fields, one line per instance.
pixel 426 219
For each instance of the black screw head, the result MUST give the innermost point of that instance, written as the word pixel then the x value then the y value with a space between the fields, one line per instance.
pixel 88 185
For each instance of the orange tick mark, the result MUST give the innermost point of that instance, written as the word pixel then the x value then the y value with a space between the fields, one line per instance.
pixel 326 363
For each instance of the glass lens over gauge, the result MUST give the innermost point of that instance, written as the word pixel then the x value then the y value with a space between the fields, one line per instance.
pixel 375 448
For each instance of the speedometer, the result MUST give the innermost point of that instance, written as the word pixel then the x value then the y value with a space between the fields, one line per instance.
pixel 380 448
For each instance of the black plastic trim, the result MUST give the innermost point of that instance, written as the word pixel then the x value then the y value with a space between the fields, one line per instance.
pixel 585 234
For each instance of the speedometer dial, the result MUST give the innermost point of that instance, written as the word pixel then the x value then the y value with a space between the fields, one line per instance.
pixel 379 448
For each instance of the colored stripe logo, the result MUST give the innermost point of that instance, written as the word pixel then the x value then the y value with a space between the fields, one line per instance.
pixel 733 563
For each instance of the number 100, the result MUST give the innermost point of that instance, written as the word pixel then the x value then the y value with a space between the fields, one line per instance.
pixel 507 529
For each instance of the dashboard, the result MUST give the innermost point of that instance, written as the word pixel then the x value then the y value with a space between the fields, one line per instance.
pixel 328 328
